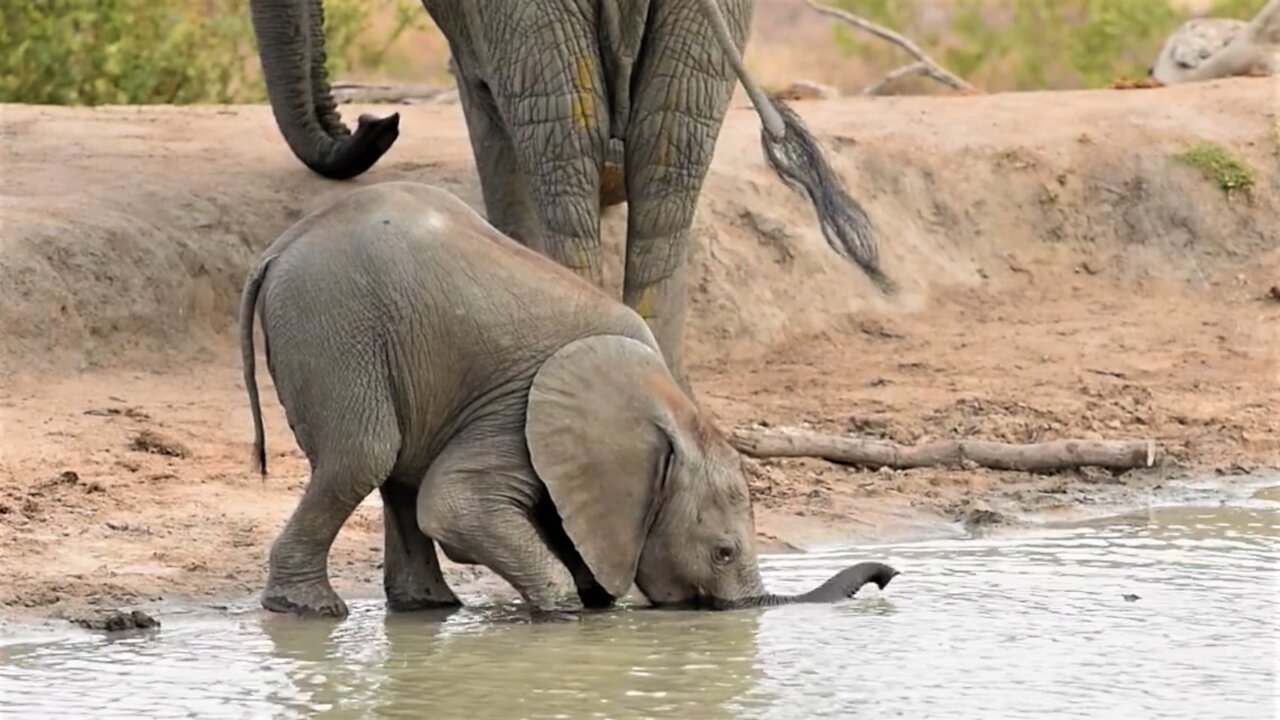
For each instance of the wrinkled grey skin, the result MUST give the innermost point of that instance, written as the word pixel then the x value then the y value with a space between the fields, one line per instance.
pixel 506 409
pixel 1210 48
pixel 544 87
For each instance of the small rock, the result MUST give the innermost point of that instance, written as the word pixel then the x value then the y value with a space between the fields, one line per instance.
pixel 1130 597
pixel 149 441
pixel 66 477
pixel 979 515
pixel 1274 292
pixel 117 525
pixel 118 620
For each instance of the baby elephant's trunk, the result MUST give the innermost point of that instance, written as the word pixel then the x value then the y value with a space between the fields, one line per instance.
pixel 844 584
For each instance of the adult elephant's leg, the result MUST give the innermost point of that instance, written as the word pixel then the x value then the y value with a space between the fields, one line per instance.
pixel 544 71
pixel 682 90
pixel 411 572
pixel 507 202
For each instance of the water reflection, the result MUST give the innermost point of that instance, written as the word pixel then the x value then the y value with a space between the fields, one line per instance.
pixel 1169 613
pixel 490 664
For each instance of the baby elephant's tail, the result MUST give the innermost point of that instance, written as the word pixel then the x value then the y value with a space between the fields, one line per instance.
pixel 248 358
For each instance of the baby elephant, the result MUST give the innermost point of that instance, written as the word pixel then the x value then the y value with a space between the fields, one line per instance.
pixel 505 409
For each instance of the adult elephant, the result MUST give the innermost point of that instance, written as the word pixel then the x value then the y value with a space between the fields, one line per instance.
pixel 545 86
pixel 505 409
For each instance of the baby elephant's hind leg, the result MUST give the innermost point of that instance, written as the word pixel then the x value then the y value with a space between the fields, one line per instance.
pixel 343 473
pixel 411 569
pixel 298 578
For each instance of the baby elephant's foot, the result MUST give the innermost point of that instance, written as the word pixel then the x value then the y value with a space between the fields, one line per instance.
pixel 560 607
pixel 311 599
pixel 539 615
pixel 406 593
pixel 418 603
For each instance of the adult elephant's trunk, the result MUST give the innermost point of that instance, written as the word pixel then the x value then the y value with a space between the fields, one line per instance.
pixel 290 35
pixel 844 584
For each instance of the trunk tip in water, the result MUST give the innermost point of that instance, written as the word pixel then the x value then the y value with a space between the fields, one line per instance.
pixel 847 582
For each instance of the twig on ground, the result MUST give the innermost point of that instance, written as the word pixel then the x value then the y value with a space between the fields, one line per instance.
pixel 357 92
pixel 924 66
pixel 1034 457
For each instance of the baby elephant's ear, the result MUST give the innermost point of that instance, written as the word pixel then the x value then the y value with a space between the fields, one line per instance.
pixel 600 430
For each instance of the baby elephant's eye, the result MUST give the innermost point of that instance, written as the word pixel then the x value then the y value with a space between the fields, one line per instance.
pixel 724 553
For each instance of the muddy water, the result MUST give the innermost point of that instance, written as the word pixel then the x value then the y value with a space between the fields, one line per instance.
pixel 1168 613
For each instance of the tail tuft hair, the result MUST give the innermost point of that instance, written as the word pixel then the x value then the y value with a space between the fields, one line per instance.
pixel 260 460
pixel 798 160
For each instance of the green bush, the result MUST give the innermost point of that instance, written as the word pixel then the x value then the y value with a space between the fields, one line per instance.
pixel 1219 166
pixel 1028 44
pixel 96 52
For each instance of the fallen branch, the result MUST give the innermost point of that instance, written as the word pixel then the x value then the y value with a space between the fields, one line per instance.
pixel 924 66
pixel 357 92
pixel 1039 457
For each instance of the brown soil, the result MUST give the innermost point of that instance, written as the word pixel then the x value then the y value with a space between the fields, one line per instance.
pixel 1061 275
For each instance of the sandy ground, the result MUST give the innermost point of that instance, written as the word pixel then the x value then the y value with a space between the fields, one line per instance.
pixel 1063 277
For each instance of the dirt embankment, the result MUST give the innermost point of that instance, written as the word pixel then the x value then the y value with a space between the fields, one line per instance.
pixel 1063 275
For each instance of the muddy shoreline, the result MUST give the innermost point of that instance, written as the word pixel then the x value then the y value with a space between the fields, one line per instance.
pixel 478 587
pixel 1062 278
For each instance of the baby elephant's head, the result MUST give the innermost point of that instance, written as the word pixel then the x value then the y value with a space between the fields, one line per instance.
pixel 649 491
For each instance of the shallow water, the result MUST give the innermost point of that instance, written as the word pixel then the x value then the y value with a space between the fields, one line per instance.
pixel 1020 625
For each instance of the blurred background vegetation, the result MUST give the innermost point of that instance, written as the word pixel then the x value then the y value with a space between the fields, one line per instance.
pixel 1030 44
pixel 96 52
pixel 93 52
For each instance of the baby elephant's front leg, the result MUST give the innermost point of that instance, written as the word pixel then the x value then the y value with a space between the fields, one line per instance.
pixel 411 569
pixel 482 518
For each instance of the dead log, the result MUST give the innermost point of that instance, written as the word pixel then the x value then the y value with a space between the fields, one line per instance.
pixel 863 452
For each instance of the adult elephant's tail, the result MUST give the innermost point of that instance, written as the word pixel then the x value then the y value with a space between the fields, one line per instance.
pixel 794 155
pixel 290 35
pixel 798 160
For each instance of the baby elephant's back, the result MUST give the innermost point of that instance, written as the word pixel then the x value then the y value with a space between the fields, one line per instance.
pixel 413 264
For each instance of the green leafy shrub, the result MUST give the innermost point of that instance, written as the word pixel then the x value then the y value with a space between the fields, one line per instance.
pixel 95 52
pixel 1219 166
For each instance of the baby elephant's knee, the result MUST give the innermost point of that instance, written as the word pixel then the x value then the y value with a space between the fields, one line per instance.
pixel 444 517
